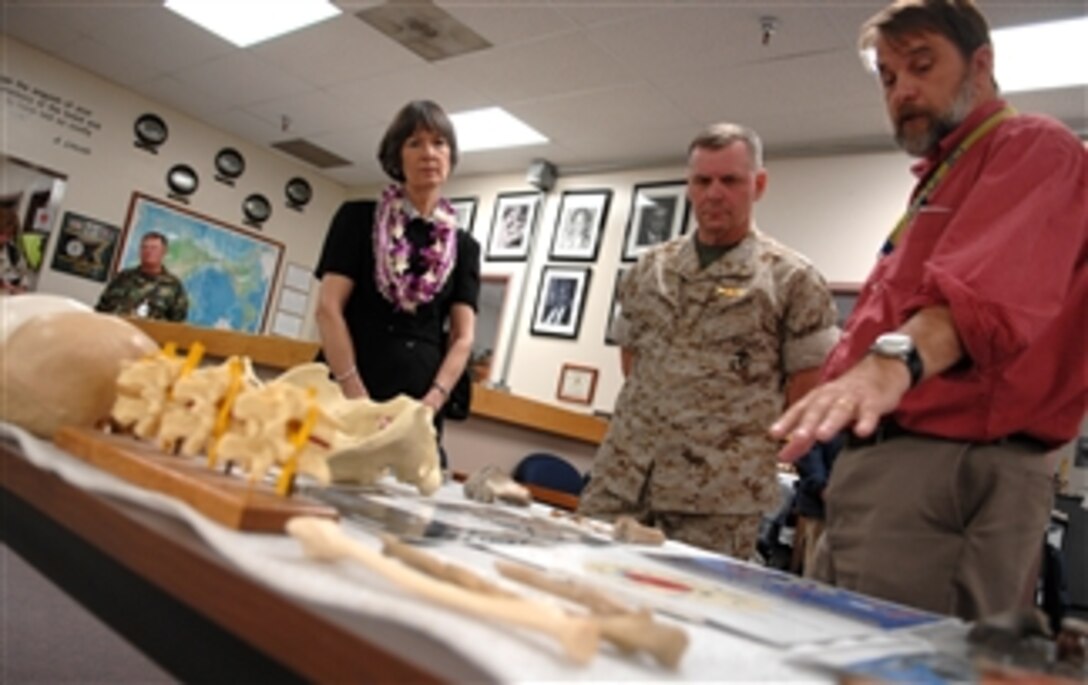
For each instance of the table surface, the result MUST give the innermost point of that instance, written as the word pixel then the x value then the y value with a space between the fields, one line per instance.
pixel 339 646
pixel 276 616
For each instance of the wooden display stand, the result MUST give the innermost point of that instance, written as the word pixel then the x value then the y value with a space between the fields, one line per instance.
pixel 233 502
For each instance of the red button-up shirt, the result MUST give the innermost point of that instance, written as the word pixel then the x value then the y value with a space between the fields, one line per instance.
pixel 1002 242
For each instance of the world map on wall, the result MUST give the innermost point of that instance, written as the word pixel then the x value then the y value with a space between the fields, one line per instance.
pixel 228 274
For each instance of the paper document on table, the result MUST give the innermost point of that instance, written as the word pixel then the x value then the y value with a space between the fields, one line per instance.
pixel 642 579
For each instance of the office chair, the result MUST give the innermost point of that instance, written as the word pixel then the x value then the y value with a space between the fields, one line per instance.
pixel 548 471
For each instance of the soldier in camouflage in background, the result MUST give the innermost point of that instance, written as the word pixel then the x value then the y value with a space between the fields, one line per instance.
pixel 717 330
pixel 147 290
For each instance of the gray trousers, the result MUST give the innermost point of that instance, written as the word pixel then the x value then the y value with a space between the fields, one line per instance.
pixel 951 527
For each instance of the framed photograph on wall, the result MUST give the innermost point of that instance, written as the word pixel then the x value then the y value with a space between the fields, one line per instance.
pixel 577 384
pixel 560 301
pixel 512 226
pixel 228 273
pixel 85 247
pixel 578 225
pixel 465 209
pixel 658 213
pixel 614 307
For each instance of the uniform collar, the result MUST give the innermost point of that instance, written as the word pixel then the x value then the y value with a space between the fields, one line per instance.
pixel 735 262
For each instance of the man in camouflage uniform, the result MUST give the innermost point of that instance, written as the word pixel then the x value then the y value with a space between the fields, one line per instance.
pixel 716 330
pixel 147 290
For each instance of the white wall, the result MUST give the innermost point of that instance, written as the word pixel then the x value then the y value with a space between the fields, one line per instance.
pixel 104 168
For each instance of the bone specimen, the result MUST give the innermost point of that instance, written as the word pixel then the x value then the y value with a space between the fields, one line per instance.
pixel 300 421
pixel 492 483
pixel 630 630
pixel 578 635
pixel 627 529
pixel 374 437
pixel 143 387
pixel 60 367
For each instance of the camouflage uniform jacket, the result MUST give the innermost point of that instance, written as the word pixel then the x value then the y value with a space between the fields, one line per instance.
pixel 163 293
pixel 713 349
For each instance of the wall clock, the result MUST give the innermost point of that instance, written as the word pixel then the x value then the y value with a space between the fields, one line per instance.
pixel 299 192
pixel 182 179
pixel 151 131
pixel 230 163
pixel 256 209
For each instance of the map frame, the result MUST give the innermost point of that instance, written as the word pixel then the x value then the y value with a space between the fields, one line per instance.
pixel 180 224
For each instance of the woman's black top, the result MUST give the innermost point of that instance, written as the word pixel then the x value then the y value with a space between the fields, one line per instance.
pixel 395 352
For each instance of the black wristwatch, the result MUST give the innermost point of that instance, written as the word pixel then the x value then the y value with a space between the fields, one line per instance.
pixel 900 346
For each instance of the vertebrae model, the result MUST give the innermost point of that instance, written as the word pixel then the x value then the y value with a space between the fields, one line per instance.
pixel 300 421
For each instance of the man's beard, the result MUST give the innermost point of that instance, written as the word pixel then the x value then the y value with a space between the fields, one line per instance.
pixel 919 144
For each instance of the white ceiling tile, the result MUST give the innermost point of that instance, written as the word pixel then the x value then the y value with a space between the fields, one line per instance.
pixel 309 113
pixel 240 78
pixel 550 66
pixel 339 50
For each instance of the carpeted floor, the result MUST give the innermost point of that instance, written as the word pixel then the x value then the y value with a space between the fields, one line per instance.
pixel 46 637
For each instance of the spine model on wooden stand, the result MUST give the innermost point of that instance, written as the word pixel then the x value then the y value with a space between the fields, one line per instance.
pixel 300 422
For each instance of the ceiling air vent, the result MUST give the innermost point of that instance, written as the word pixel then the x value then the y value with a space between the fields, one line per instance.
pixel 311 154
pixel 423 28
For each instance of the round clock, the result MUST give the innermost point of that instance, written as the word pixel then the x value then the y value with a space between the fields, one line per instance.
pixel 150 129
pixel 257 208
pixel 182 179
pixel 230 163
pixel 298 191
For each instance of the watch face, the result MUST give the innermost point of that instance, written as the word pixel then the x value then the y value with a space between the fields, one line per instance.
pixel 894 344
pixel 182 179
pixel 230 162
pixel 257 208
pixel 298 191
pixel 150 129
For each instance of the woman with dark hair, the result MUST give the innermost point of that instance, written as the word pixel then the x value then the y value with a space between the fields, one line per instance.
pixel 399 279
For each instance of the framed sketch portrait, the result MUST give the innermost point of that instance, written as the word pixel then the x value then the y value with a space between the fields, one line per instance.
pixel 512 226
pixel 560 301
pixel 614 308
pixel 577 384
pixel 578 225
pixel 465 209
pixel 658 213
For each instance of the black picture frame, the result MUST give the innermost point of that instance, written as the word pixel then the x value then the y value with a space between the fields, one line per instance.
pixel 465 210
pixel 560 301
pixel 658 213
pixel 579 224
pixel 614 306
pixel 86 247
pixel 512 226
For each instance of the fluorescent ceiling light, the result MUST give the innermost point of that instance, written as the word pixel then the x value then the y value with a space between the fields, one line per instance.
pixel 1034 56
pixel 245 22
pixel 490 128
pixel 1042 56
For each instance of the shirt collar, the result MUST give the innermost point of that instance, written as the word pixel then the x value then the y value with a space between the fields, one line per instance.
pixel 946 145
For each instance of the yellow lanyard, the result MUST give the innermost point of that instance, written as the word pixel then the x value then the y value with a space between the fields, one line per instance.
pixel 937 176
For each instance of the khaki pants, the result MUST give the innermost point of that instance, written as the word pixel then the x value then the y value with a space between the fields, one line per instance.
pixel 950 527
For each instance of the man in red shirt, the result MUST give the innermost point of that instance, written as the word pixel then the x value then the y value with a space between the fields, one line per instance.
pixel 965 360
